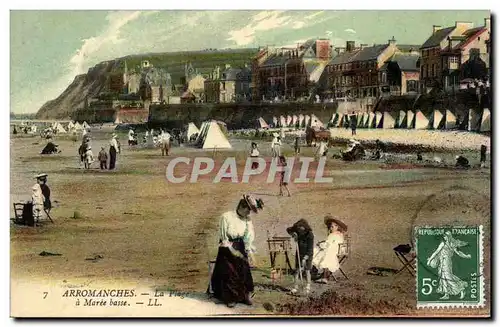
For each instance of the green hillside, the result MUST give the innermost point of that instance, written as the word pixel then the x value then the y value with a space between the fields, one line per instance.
pixel 205 61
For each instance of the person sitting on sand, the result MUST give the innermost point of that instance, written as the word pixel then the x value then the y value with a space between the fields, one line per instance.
pixel 325 259
pixel 462 162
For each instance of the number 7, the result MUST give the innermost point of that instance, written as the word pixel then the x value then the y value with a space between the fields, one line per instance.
pixel 45 294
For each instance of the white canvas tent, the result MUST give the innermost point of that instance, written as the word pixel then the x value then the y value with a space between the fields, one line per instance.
pixel 402 119
pixel 315 122
pixel 261 123
pixel 202 130
pixel 378 119
pixel 364 120
pixel 191 130
pixel 70 125
pixel 485 121
pixel 474 120
pixel 421 121
pixel 79 127
pixel 410 119
pixel 307 120
pixel 212 137
pixel 450 120
pixel 59 128
pixel 389 120
pixel 85 125
pixel 282 121
pixel 438 119
pixel 295 120
pixel 275 122
pixel 359 123
pixel 301 120
pixel 288 120
pixel 371 120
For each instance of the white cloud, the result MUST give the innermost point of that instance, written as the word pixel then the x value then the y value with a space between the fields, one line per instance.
pixel 262 21
pixel 309 17
pixel 116 21
pixel 298 25
pixel 293 44
pixel 350 30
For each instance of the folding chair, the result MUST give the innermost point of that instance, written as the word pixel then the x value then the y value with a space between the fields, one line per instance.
pixel 18 211
pixel 407 258
pixel 343 255
pixel 48 215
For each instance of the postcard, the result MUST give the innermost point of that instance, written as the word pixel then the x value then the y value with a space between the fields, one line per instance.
pixel 250 164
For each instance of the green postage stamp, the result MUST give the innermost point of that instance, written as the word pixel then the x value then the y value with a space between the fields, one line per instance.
pixel 449 267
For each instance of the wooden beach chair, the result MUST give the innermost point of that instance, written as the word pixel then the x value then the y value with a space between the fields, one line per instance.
pixel 407 258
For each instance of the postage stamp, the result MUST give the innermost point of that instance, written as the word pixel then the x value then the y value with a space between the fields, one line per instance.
pixel 449 267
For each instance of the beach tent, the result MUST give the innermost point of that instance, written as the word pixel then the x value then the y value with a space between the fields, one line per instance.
pixel 59 128
pixel 364 120
pixel 474 120
pixel 295 120
pixel 70 125
pixel 359 123
pixel 378 119
pixel 450 120
pixel 191 130
pixel 402 119
pixel 79 127
pixel 315 122
pixel 85 125
pixel 438 119
pixel 421 121
pixel 275 122
pixel 213 137
pixel 335 119
pixel 288 120
pixel 389 120
pixel 410 119
pixel 202 130
pixel 282 121
pixel 261 123
pixel 340 120
pixel 485 121
pixel 307 120
pixel 371 120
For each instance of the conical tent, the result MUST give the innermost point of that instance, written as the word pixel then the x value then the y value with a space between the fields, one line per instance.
pixel 213 138
pixel 275 122
pixel 203 130
pixel 59 128
pixel 70 125
pixel 389 119
pixel 307 120
pixel 288 120
pixel 371 120
pixel 450 120
pixel 85 125
pixel 402 122
pixel 438 119
pixel 315 122
pixel 295 119
pixel 474 120
pixel 410 119
pixel 78 127
pixel 365 119
pixel 282 121
pixel 378 119
pixel 261 123
pixel 340 120
pixel 421 121
pixel 359 123
pixel 191 130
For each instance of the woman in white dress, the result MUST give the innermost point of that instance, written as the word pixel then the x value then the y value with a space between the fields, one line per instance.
pixel 276 145
pixel 449 283
pixel 231 280
pixel 325 258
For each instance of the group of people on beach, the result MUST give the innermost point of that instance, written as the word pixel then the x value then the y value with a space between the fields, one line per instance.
pixel 231 281
pixel 87 156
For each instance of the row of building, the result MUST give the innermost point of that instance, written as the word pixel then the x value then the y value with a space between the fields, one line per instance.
pixel 316 71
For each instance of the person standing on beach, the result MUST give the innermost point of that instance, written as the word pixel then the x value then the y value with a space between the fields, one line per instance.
pixel 297 145
pixel 103 159
pixel 113 148
pixel 283 184
pixel 483 155
pixel 254 154
pixel 354 122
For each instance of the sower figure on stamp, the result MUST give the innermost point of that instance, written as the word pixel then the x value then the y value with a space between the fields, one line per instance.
pixel 303 235
pixel 448 283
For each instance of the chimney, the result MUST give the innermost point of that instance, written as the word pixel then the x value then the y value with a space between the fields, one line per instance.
pixel 463 26
pixel 487 23
pixel 392 41
pixel 349 46
pixel 435 28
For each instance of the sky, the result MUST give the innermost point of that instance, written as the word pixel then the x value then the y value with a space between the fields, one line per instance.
pixel 49 48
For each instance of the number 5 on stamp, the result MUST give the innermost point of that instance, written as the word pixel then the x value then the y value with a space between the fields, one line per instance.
pixel 449 267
